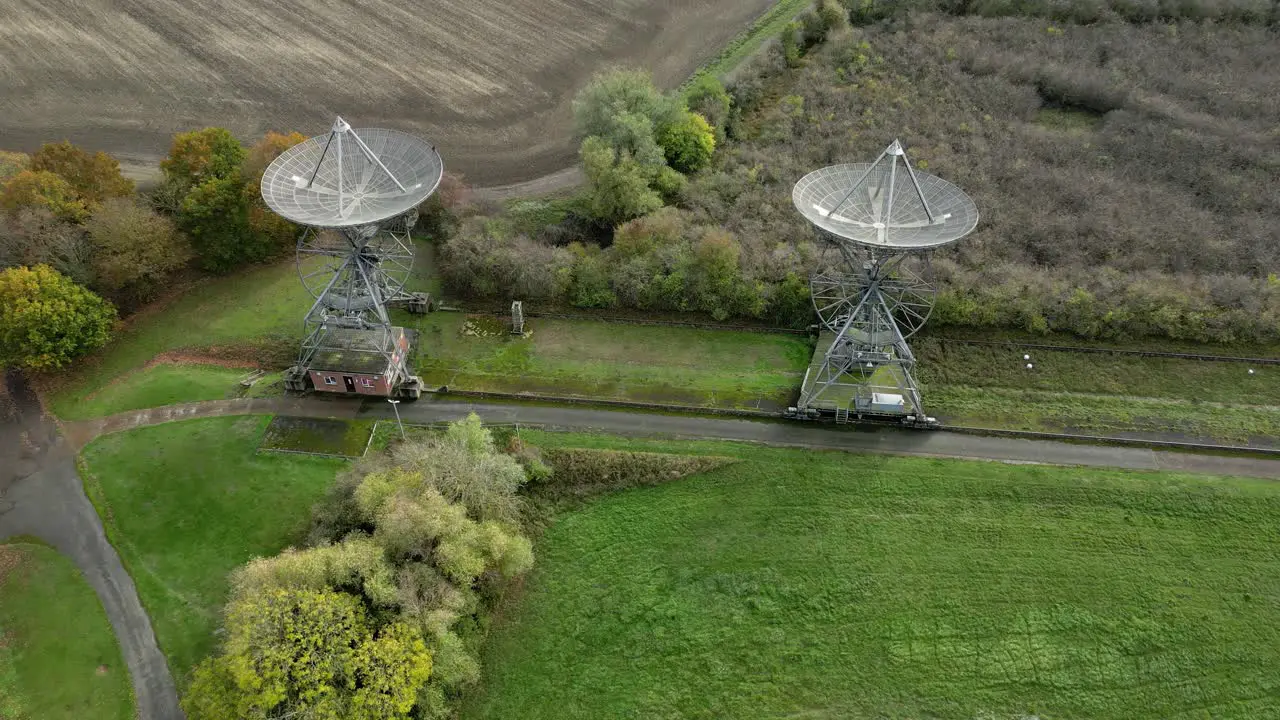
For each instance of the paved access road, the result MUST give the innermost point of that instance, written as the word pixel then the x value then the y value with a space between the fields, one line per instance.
pixel 935 443
pixel 41 495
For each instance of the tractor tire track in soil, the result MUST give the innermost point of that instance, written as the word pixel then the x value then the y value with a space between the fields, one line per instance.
pixel 491 82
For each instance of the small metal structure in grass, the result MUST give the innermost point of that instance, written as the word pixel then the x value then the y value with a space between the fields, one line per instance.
pixel 318 436
pixel 876 290
pixel 517 318
pixel 356 192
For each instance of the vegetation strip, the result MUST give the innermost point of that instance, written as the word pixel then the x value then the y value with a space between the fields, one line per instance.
pixel 641 321
pixel 1115 351
pixel 741 47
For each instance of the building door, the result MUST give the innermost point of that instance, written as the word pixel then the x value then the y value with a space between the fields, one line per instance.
pixel 351 384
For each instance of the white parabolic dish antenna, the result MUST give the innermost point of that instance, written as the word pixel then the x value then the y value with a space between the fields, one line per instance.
pixel 351 177
pixel 885 204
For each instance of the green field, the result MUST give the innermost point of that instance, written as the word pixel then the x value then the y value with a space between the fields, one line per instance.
pixel 992 387
pixel 260 302
pixel 588 358
pixel 58 657
pixel 164 384
pixel 825 585
pixel 245 306
pixel 185 503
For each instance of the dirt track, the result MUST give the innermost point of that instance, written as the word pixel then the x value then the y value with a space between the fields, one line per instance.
pixel 490 81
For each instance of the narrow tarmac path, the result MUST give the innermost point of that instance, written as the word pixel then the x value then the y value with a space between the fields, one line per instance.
pixel 930 443
pixel 41 495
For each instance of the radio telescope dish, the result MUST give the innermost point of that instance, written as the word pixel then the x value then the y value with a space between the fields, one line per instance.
pixel 885 204
pixel 882 217
pixel 351 177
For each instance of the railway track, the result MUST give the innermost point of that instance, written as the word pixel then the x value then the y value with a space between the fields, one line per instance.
pixel 1113 351
pixel 868 422
pixel 1204 357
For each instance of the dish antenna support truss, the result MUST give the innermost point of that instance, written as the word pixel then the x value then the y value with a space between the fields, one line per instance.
pixel 882 217
pixel 356 192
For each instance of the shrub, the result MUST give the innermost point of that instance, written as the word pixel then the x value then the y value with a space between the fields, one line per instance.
pixel 94 177
pixel 134 249
pixel 31 189
pixel 789 44
pixel 688 143
pixel 578 474
pixel 34 236
pixel 12 163
pixel 707 97
pixel 46 320
pixel 201 155
pixel 589 285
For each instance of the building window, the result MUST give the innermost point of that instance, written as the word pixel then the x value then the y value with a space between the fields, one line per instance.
pixel 366 382
pixel 330 380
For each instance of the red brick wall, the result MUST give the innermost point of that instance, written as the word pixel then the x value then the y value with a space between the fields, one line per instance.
pixel 379 384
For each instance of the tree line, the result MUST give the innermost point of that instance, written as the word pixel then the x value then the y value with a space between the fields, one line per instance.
pixel 79 244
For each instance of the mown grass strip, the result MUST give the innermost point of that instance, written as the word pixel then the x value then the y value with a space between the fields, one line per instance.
pixel 59 659
pixel 821 584
pixel 187 502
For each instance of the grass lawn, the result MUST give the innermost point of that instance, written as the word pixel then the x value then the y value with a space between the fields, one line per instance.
pixel 588 358
pixel 187 502
pixel 252 304
pixel 163 384
pixel 58 657
pixel 991 386
pixel 829 585
pixel 259 302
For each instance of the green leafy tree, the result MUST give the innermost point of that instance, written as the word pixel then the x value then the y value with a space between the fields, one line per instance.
pixel 215 215
pixel 95 176
pixel 716 284
pixel 618 188
pixel 302 653
pixel 42 189
pixel 616 94
pixel 134 249
pixel 708 97
pixel 789 44
pixel 789 303
pixel 46 320
pixel 201 155
pixel 688 142
pixel 443 517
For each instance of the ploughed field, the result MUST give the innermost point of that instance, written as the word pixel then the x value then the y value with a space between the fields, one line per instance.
pixel 490 81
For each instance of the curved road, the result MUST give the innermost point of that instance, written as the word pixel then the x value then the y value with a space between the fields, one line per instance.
pixel 41 495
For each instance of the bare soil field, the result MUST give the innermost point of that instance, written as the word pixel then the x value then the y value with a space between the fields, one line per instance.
pixel 490 81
